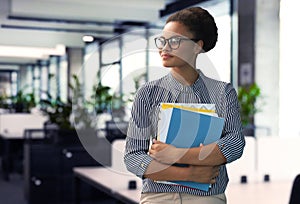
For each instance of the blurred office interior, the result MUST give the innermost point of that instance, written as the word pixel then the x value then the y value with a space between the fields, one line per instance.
pixel 72 64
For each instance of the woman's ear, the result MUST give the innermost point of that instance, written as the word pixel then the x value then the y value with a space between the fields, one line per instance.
pixel 199 46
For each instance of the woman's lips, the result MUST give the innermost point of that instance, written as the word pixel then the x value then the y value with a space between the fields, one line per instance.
pixel 166 56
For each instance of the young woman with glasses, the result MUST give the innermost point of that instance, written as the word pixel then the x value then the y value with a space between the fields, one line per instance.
pixel 186 34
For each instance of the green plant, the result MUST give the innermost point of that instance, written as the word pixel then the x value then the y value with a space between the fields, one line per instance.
pixel 101 99
pixel 4 101
pixel 78 111
pixel 58 111
pixel 82 114
pixel 23 102
pixel 248 97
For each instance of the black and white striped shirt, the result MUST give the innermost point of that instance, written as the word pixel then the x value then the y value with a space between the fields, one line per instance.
pixel 143 126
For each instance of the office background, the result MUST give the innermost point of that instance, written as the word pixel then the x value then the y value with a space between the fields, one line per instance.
pixel 42 46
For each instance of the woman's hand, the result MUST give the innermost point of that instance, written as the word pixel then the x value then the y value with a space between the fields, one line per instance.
pixel 166 153
pixel 169 154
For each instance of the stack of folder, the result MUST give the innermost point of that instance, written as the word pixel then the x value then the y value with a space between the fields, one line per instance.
pixel 187 125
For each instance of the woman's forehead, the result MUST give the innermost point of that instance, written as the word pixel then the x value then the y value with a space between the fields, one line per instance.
pixel 175 29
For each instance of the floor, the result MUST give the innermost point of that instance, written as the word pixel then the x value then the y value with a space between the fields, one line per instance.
pixel 12 192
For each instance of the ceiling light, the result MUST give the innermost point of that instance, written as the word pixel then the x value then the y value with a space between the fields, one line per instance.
pixel 88 38
pixel 31 52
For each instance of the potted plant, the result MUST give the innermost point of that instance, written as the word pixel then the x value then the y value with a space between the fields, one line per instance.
pixel 4 102
pixel 22 102
pixel 248 96
pixel 60 127
pixel 101 99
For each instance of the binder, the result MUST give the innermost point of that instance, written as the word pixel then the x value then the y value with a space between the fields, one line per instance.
pixel 184 128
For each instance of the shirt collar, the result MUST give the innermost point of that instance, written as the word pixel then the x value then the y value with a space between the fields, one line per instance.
pixel 198 88
pixel 180 87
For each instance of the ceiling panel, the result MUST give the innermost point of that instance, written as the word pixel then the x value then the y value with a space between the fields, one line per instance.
pixel 37 38
pixel 101 10
pixel 48 23
pixel 9 62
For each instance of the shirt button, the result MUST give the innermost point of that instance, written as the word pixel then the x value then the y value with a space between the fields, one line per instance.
pixel 142 165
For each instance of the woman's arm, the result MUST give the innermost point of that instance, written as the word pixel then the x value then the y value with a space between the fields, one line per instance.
pixel 207 155
pixel 163 172
pixel 204 155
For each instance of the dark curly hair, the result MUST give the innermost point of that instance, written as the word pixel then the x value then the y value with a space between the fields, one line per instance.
pixel 200 23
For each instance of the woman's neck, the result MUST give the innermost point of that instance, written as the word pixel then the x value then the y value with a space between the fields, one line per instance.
pixel 185 75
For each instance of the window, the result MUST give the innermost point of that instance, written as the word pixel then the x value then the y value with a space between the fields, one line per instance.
pixel 53 82
pixel 63 78
pixel 36 81
pixel 289 97
pixel 217 62
pixel 44 80
pixel 90 68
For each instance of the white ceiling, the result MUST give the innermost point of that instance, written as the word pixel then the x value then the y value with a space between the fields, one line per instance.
pixel 48 24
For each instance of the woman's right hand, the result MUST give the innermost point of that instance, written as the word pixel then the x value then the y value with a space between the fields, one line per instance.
pixel 203 174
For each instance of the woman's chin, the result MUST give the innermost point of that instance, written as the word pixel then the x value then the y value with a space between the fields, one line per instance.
pixel 166 64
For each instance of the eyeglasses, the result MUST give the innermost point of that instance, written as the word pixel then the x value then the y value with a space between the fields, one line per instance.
pixel 174 42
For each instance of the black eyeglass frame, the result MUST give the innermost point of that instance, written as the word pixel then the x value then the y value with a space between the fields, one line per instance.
pixel 174 37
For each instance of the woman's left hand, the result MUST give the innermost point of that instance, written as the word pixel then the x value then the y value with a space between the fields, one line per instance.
pixel 165 153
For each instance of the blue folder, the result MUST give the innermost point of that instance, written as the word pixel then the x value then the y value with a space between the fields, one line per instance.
pixel 189 129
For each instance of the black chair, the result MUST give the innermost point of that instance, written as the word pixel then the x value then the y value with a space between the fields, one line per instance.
pixel 295 194
pixel 115 130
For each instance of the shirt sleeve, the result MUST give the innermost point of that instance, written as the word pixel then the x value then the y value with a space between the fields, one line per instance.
pixel 232 142
pixel 139 134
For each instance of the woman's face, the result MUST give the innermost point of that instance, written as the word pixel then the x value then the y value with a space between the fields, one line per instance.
pixel 187 51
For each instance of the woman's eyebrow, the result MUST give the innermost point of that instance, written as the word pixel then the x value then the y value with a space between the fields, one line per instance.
pixel 173 36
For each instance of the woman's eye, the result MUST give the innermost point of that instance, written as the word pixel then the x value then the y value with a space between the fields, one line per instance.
pixel 161 41
pixel 174 41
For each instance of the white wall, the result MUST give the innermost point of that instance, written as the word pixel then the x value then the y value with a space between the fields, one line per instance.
pixel 267 63
pixel 289 69
pixel 277 157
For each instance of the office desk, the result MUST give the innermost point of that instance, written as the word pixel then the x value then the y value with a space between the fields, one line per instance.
pixel 113 183
pixel 275 192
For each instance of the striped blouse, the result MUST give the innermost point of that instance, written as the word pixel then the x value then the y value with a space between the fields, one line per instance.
pixel 144 118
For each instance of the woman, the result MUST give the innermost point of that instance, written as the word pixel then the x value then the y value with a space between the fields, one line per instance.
pixel 186 34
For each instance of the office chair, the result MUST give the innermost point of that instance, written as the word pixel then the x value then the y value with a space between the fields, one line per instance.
pixel 295 194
